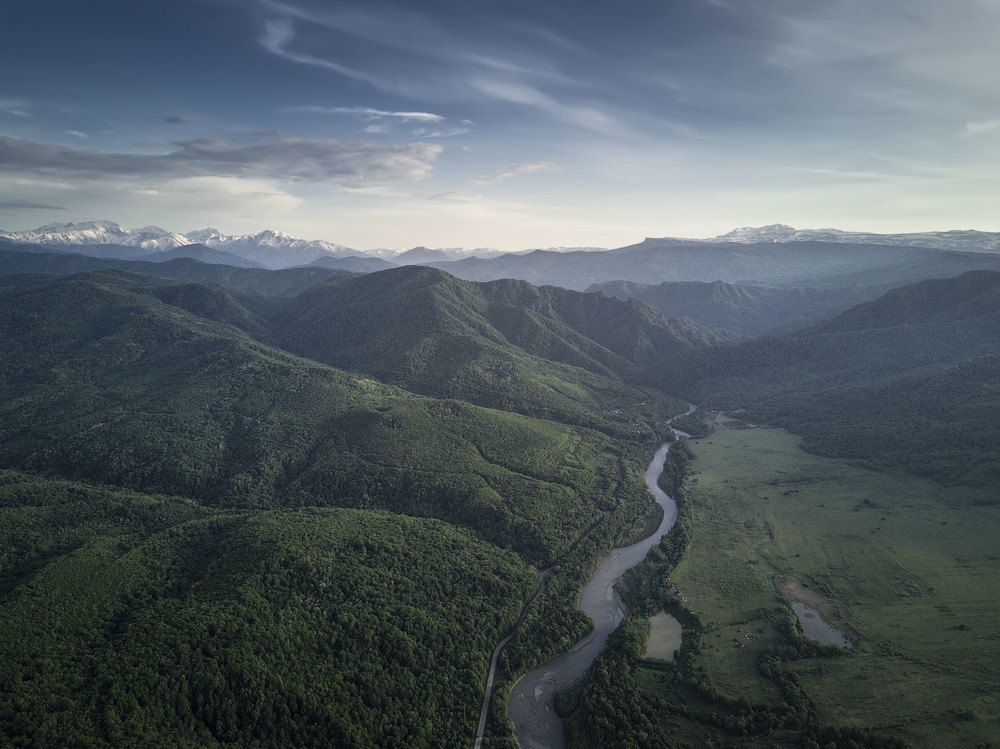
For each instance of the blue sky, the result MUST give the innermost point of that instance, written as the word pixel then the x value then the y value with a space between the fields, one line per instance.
pixel 507 124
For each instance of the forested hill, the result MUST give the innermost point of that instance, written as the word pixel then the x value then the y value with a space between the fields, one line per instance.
pixel 287 282
pixel 905 381
pixel 207 540
pixel 101 380
pixel 747 310
pixel 543 351
pixel 546 352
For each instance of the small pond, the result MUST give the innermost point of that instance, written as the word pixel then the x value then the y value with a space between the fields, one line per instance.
pixel 815 627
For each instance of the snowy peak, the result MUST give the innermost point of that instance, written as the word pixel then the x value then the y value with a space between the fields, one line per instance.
pixel 151 238
pixel 269 248
pixel 769 233
pixel 204 236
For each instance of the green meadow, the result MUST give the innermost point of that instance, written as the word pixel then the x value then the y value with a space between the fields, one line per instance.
pixel 908 569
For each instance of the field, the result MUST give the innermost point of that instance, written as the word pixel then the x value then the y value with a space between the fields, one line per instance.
pixel 908 569
pixel 664 637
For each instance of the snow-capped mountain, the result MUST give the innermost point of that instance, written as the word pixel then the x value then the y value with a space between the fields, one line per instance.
pixel 271 248
pixel 965 240
pixel 268 248
pixel 151 238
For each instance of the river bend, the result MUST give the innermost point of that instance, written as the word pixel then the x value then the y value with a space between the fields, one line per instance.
pixel 532 713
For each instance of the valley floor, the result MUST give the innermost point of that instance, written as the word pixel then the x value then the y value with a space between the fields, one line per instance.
pixel 908 569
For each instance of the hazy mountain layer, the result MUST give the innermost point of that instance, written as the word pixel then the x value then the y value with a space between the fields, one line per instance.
pixel 908 380
pixel 657 261
pixel 747 310
pixel 285 282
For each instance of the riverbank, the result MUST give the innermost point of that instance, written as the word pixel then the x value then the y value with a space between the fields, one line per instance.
pixel 531 702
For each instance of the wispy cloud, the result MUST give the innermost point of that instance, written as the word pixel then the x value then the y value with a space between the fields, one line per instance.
pixel 381 121
pixel 528 167
pixel 584 116
pixel 280 33
pixel 266 155
pixel 371 113
pixel 980 127
pixel 27 205
pixel 424 58
pixel 176 119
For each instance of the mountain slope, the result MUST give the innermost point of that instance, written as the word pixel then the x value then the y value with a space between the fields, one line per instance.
pixel 204 254
pixel 354 263
pixel 103 381
pixel 129 619
pixel 504 345
pixel 286 282
pixel 743 309
pixel 908 380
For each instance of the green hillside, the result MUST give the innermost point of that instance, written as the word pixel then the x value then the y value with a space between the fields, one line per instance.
pixel 746 310
pixel 545 352
pixel 906 381
pixel 102 381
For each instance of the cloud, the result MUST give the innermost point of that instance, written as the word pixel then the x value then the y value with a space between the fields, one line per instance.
pixel 980 127
pixel 533 167
pixel 277 38
pixel 584 116
pixel 264 155
pixel 381 121
pixel 176 119
pixel 77 134
pixel 28 205
pixel 16 107
pixel 372 113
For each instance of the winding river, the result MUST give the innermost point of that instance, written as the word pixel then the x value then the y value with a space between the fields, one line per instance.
pixel 534 719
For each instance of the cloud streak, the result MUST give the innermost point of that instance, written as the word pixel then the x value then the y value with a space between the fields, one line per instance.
pixel 386 122
pixel 28 205
pixel 530 167
pixel 267 156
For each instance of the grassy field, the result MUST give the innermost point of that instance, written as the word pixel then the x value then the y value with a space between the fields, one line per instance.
pixel 908 569
pixel 664 637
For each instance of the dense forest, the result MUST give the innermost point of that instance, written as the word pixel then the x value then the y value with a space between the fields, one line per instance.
pixel 134 619
pixel 277 551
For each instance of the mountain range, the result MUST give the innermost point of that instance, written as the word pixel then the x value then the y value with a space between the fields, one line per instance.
pixel 575 267
pixel 268 248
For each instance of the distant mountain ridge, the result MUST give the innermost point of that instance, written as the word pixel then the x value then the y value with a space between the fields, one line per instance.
pixel 267 248
pixel 747 310
pixel 907 381
pixel 968 240
pixel 769 254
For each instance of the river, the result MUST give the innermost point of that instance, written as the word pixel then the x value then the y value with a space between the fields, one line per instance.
pixel 531 711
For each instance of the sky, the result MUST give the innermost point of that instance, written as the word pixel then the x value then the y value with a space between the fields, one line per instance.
pixel 512 124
